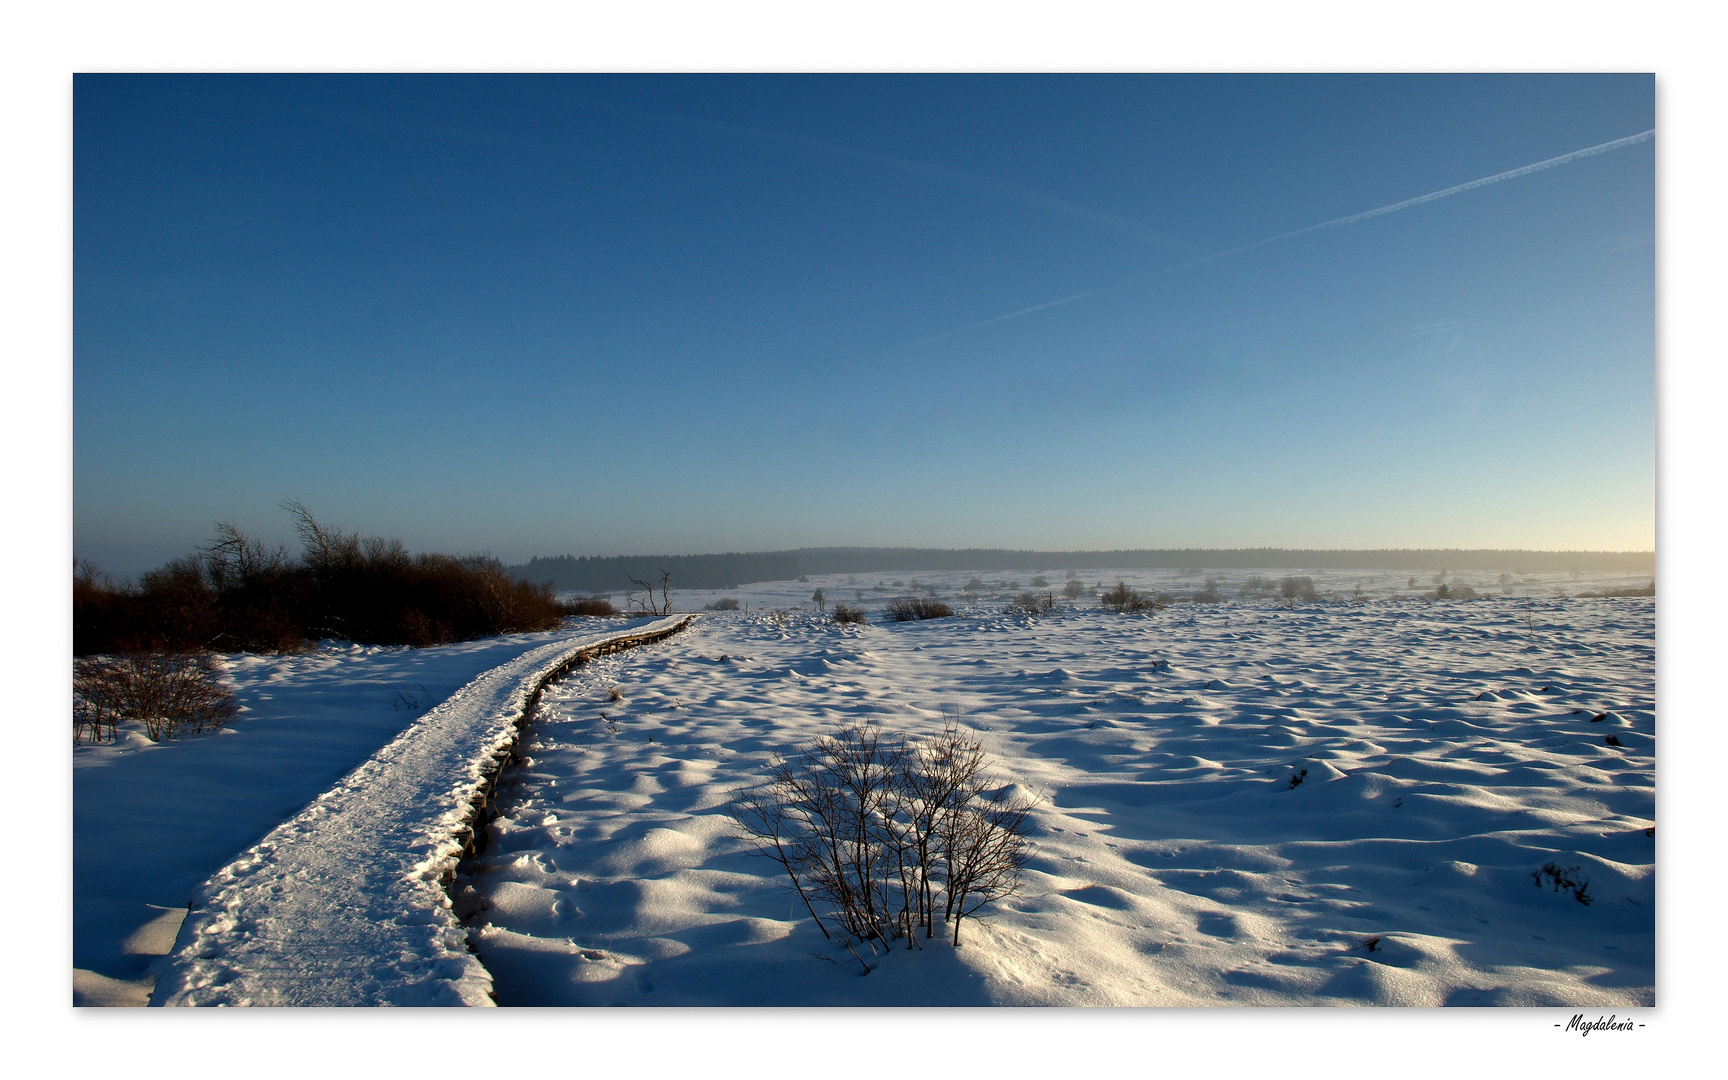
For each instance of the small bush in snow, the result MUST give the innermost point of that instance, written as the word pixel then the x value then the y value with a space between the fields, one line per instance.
pixel 1040 582
pixel 871 832
pixel 1073 588
pixel 1297 588
pixel 169 693
pixel 725 603
pixel 1566 879
pixel 1032 604
pixel 849 613
pixel 1122 598
pixel 912 608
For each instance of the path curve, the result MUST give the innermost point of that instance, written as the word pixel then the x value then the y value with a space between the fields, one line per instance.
pixel 344 903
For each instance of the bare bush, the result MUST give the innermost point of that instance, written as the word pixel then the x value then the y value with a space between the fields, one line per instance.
pixel 1033 604
pixel 912 608
pixel 598 606
pixel 725 603
pixel 169 693
pixel 849 613
pixel 1040 582
pixel 1297 588
pixel 1073 588
pixel 869 831
pixel 1122 598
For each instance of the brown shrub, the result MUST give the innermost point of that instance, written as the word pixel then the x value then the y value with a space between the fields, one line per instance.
pixel 912 608
pixel 169 693
pixel 848 613
pixel 1122 598
pixel 1033 604
pixel 600 606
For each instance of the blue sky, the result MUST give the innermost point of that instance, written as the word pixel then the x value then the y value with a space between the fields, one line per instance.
pixel 598 315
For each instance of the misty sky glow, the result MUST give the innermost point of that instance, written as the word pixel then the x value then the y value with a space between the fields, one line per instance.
pixel 598 315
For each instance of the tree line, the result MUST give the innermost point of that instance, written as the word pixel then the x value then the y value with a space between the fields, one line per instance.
pixel 728 570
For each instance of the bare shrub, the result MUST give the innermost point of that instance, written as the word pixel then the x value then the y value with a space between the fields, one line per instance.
pixel 725 603
pixel 1564 879
pixel 849 613
pixel 1073 588
pixel 596 606
pixel 1040 582
pixel 1122 598
pixel 869 831
pixel 169 693
pixel 912 608
pixel 1297 588
pixel 1033 604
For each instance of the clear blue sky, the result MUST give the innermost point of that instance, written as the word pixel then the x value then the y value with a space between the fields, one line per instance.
pixel 602 315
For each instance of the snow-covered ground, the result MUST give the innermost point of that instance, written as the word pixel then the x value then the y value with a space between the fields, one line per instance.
pixel 1343 803
pixel 151 821
pixel 344 904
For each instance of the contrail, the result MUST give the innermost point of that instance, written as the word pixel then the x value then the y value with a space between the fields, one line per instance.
pixel 1511 174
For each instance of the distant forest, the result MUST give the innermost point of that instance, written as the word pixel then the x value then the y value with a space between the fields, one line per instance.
pixel 597 574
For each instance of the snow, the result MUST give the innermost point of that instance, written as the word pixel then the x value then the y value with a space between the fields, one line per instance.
pixel 1446 752
pixel 152 821
pixel 344 904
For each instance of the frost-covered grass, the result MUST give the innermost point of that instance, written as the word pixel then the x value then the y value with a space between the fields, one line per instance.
pixel 1348 802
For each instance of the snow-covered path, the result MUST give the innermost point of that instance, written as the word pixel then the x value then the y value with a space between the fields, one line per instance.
pixel 151 821
pixel 1339 804
pixel 343 904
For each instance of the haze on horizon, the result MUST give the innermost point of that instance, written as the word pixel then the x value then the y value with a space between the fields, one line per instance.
pixel 600 315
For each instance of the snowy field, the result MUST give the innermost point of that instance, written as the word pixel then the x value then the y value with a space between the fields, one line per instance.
pixel 1344 803
pixel 152 821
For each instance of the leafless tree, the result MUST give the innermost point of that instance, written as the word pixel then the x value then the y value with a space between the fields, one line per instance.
pixel 648 606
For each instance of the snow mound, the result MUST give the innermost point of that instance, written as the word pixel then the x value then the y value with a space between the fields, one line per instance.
pixel 344 903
